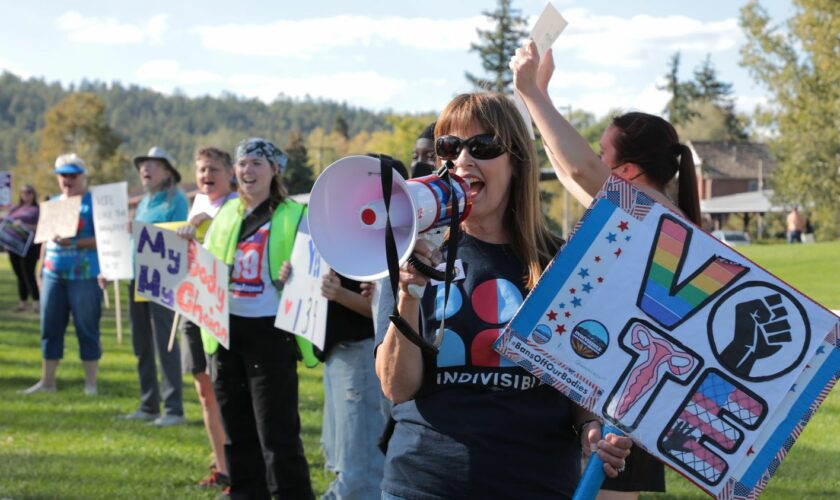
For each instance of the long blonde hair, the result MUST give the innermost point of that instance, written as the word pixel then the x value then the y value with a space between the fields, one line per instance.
pixel 530 239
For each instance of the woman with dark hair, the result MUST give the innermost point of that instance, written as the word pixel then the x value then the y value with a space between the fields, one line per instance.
pixel 638 147
pixel 470 424
pixel 25 214
pixel 255 378
pixel 641 148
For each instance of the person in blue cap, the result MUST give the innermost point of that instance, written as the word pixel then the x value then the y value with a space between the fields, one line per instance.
pixel 68 284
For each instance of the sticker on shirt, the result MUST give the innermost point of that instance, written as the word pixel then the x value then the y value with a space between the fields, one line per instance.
pixel 246 280
pixel 459 271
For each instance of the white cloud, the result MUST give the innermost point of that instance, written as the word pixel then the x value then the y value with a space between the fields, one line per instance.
pixel 110 31
pixel 650 100
pixel 170 71
pixel 306 37
pixel 15 68
pixel 585 79
pixel 641 40
pixel 362 88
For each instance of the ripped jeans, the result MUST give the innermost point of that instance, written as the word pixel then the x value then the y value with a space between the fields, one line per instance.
pixel 353 422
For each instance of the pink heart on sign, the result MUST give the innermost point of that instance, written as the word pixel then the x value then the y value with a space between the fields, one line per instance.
pixel 288 305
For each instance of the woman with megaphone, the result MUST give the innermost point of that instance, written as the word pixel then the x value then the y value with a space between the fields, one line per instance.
pixel 470 424
pixel 256 379
pixel 641 148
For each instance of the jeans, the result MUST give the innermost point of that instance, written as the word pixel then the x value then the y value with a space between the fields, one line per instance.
pixel 353 421
pixel 256 384
pixel 150 327
pixel 61 297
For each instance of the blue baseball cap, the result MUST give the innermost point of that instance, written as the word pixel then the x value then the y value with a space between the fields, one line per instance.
pixel 69 163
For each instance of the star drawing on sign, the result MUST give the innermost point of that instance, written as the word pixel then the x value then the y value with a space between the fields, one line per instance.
pixel 561 329
pixel 561 305
pixel 627 238
pixel 552 316
pixel 568 314
pixel 584 272
pixel 821 350
pixel 576 301
pixel 617 253
pixel 611 237
pixel 751 451
pixel 572 291
pixel 587 287
pixel 600 279
pixel 597 258
pixel 623 226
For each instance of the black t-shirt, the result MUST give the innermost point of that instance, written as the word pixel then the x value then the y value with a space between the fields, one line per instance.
pixel 480 427
pixel 344 324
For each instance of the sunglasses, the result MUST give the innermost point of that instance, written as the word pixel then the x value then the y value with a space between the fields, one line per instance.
pixel 69 176
pixel 480 147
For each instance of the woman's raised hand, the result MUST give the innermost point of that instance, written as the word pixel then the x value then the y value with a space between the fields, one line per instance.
pixel 525 65
pixel 426 254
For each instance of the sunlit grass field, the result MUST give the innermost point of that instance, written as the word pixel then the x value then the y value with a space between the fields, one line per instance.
pixel 68 445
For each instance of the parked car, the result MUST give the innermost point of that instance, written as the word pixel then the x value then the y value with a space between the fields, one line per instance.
pixel 732 238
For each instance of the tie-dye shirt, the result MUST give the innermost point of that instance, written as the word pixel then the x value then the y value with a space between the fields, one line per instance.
pixel 71 263
pixel 480 427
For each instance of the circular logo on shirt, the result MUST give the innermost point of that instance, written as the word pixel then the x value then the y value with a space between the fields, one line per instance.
pixel 482 352
pixel 453 305
pixel 495 301
pixel 589 339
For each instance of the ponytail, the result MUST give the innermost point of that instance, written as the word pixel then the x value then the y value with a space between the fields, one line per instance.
pixel 688 200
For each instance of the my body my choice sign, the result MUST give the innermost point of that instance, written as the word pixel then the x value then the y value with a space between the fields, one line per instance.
pixel 183 276
pixel 703 357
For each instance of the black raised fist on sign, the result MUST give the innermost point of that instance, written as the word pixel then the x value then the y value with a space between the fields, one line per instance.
pixel 761 329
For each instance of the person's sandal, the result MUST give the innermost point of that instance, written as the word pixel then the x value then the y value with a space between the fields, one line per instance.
pixel 215 480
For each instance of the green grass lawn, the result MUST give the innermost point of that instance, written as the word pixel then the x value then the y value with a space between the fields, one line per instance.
pixel 67 445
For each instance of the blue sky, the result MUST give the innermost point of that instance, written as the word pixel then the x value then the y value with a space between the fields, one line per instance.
pixel 404 56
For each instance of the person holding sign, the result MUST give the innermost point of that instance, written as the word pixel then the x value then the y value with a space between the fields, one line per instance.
pixel 470 424
pixel 68 285
pixel 213 176
pixel 641 148
pixel 25 214
pixel 150 322
pixel 256 379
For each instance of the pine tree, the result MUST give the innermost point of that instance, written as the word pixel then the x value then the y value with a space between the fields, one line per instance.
pixel 497 46
pixel 678 107
pixel 298 176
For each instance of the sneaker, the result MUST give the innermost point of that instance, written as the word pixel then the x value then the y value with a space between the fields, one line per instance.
pixel 91 390
pixel 169 420
pixel 39 387
pixel 140 415
pixel 215 480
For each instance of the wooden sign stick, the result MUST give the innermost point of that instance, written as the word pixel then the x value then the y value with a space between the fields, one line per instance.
pixel 173 331
pixel 118 310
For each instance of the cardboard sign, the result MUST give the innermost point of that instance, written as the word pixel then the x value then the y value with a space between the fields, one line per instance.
pixel 15 238
pixel 110 221
pixel 704 358
pixel 58 218
pixel 182 276
pixel 303 310
pixel 6 198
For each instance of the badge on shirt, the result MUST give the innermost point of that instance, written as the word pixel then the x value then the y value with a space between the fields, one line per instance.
pixel 459 271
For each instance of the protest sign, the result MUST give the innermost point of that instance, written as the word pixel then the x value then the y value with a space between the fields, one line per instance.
pixel 183 276
pixel 58 218
pixel 704 358
pixel 5 189
pixel 303 310
pixel 110 221
pixel 16 238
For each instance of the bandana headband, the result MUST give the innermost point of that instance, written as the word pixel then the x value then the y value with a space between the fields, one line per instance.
pixel 263 149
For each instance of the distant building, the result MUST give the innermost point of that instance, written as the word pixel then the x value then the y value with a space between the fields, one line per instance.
pixel 725 168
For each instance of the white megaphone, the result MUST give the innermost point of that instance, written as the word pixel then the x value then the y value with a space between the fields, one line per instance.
pixel 347 214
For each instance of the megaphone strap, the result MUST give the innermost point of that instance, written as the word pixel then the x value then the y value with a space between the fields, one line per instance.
pixel 386 175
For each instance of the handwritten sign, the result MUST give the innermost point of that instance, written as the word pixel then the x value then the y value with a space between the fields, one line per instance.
pixel 704 358
pixel 182 276
pixel 15 238
pixel 5 189
pixel 303 310
pixel 58 218
pixel 110 221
